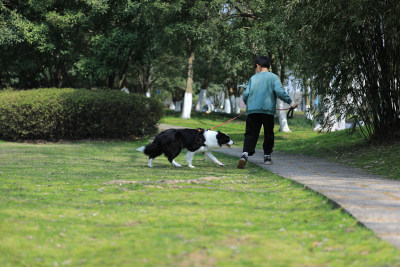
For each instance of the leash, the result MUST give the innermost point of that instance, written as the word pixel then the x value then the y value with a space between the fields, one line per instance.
pixel 227 121
pixel 289 115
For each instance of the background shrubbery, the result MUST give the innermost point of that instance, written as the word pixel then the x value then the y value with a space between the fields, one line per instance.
pixel 54 114
pixel 220 117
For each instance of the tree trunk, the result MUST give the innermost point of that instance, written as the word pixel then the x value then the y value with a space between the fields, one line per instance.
pixel 237 105
pixel 282 61
pixel 177 96
pixel 274 67
pixel 234 107
pixel 187 103
pixel 110 81
pixel 59 77
pixel 148 78
pixel 202 99
pixel 203 95
pixel 284 127
pixel 309 107
pixel 122 75
pixel 305 103
pixel 236 93
pixel 227 102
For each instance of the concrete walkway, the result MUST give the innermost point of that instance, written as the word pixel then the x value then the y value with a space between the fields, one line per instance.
pixel 372 200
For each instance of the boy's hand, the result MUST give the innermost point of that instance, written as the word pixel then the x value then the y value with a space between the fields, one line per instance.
pixel 294 105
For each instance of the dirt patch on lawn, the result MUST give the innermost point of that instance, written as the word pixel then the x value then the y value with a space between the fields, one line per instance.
pixel 121 182
pixel 235 242
pixel 200 180
pixel 197 258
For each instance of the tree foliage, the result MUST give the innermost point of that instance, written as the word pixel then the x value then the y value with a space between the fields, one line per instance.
pixel 351 51
pixel 71 43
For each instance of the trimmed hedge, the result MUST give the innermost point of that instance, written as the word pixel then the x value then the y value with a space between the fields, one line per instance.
pixel 53 114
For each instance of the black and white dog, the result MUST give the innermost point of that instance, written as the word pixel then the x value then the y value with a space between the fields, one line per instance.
pixel 214 140
pixel 171 142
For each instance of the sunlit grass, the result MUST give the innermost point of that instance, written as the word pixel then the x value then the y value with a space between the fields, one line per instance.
pixel 97 203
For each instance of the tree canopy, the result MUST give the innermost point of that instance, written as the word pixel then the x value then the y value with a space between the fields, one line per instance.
pixel 347 51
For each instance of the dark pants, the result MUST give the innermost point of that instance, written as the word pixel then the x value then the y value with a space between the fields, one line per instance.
pixel 253 127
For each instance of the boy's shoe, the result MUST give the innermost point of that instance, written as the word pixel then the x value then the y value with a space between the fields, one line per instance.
pixel 242 162
pixel 267 160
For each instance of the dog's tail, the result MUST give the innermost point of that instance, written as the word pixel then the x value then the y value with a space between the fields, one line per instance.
pixel 141 149
pixel 150 149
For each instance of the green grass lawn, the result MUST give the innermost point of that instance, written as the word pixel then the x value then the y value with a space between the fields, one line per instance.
pixel 98 204
pixel 343 146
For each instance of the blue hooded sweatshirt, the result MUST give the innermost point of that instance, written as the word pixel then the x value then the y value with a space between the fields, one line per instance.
pixel 261 92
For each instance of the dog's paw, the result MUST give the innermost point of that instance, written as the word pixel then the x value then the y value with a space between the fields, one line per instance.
pixel 221 164
pixel 191 166
pixel 176 164
pixel 150 163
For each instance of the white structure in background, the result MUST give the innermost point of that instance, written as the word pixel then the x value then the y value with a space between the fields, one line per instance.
pixel 239 100
pixel 210 105
pixel 125 90
pixel 284 127
pixel 341 123
pixel 332 122
pixel 308 113
pixel 202 100
pixel 217 101
pixel 148 95
pixel 178 106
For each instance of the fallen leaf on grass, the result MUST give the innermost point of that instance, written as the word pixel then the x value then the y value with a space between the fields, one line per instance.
pixel 316 244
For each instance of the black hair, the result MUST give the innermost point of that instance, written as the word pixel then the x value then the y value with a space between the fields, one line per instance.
pixel 263 61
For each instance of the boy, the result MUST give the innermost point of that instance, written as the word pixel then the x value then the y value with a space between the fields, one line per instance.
pixel 260 99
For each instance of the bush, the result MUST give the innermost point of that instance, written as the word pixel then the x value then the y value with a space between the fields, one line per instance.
pixel 53 114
